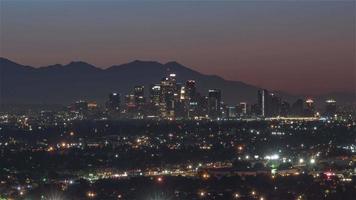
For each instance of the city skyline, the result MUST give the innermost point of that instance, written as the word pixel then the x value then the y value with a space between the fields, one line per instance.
pixel 177 99
pixel 303 47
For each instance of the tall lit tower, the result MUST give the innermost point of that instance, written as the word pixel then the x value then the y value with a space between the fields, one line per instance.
pixel 139 92
pixel 330 107
pixel 263 102
pixel 168 90
pixel 155 92
pixel 309 107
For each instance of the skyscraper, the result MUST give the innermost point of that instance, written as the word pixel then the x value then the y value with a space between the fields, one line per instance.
pixel 139 92
pixel 114 102
pixel 242 109
pixel 191 100
pixel 231 112
pixel 130 101
pixel 155 93
pixel 168 91
pixel 269 104
pixel 309 108
pixel 330 107
pixel 214 103
pixel 263 102
pixel 190 89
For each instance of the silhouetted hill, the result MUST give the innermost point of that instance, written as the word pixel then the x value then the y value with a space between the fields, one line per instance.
pixel 63 84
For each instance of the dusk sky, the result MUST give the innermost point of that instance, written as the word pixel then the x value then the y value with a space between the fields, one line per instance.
pixel 302 47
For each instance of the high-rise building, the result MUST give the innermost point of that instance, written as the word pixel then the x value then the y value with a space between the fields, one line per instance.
pixel 139 92
pixel 168 96
pixel 231 112
pixel 275 105
pixel 263 102
pixel 214 103
pixel 242 109
pixel 309 110
pixel 155 94
pixel 130 101
pixel 191 99
pixel 190 89
pixel 330 107
pixel 268 103
pixel 182 93
pixel 114 102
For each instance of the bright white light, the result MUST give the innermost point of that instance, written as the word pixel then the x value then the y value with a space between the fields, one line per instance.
pixel 272 157
pixel 312 161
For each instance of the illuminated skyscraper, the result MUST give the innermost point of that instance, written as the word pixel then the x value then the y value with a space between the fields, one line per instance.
pixel 155 92
pixel 309 108
pixel 330 107
pixel 168 92
pixel 263 102
pixel 268 103
pixel 139 92
pixel 130 101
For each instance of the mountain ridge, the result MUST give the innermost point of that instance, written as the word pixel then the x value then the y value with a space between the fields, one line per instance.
pixel 63 84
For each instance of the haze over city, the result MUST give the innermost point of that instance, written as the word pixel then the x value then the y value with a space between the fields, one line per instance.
pixel 301 47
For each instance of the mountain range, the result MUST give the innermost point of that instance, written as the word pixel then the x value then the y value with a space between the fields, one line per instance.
pixel 64 84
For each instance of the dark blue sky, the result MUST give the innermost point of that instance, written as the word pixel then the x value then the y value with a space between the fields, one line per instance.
pixel 304 47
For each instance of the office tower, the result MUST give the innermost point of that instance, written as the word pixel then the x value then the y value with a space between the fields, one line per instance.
pixel 264 102
pixel 155 93
pixel 275 105
pixel 241 109
pixel 114 102
pixel 330 107
pixel 178 92
pixel 130 101
pixel 182 93
pixel 190 89
pixel 168 96
pixel 309 110
pixel 231 112
pixel 139 92
pixel 268 103
pixel 223 110
pixel 214 104
pixel 191 100
pixel 203 106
